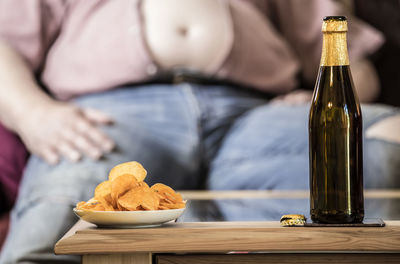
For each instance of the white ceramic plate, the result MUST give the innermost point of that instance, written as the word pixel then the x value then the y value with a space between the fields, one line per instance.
pixel 129 219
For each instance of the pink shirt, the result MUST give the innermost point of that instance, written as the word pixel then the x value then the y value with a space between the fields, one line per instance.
pixel 78 47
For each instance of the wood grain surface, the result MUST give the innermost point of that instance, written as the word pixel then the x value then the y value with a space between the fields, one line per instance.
pixel 280 258
pixel 223 237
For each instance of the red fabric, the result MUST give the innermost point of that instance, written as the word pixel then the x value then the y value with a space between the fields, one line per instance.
pixel 13 156
pixel 4 220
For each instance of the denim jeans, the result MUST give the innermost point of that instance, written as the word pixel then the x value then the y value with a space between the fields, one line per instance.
pixel 189 137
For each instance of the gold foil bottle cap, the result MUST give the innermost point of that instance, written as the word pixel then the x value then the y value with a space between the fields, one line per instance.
pixel 293 220
pixel 334 45
pixel 334 24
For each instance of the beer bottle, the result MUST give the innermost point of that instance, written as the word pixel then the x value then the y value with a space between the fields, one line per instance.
pixel 335 134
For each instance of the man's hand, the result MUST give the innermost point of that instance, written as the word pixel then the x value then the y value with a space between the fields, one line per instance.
pixel 296 97
pixel 57 130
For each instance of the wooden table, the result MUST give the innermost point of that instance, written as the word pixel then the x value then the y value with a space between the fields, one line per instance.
pixel 235 242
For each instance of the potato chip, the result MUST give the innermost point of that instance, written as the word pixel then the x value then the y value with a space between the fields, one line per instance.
pixel 91 205
pixel 162 207
pixel 121 185
pixel 169 199
pixel 126 191
pixel 140 196
pixel 129 201
pixel 80 205
pixel 120 208
pixel 151 199
pixel 102 193
pixel 166 193
pixel 132 167
pixel 103 190
pixel 107 206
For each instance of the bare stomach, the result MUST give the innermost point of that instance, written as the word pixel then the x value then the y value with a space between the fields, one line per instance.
pixel 191 34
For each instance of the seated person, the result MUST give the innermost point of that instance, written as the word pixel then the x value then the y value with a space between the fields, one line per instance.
pixel 203 93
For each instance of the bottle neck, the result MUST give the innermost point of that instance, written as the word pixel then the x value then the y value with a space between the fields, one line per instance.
pixel 334 49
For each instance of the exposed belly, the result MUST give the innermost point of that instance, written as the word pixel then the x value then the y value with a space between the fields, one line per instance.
pixel 191 34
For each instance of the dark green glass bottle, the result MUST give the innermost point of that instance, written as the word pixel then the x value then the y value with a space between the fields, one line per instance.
pixel 335 134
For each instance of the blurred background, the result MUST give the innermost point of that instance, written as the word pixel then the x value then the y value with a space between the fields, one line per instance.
pixel 384 15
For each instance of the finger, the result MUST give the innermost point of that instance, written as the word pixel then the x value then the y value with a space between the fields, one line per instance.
pixel 69 151
pixel 97 116
pixel 49 155
pixel 84 145
pixel 87 147
pixel 97 137
pixel 100 139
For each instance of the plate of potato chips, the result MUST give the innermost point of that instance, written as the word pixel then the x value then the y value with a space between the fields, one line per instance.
pixel 125 200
